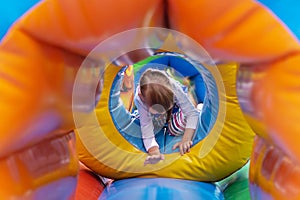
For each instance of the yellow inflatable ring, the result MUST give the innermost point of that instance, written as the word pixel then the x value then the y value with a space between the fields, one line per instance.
pixel 102 148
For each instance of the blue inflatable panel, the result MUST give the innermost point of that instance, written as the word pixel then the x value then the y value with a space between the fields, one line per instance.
pixel 160 188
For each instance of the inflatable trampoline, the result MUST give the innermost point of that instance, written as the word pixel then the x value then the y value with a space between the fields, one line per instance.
pixel 68 129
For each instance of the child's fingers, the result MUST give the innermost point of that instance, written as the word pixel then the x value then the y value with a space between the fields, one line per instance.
pixel 187 146
pixel 146 162
pixel 175 146
pixel 184 147
pixel 153 159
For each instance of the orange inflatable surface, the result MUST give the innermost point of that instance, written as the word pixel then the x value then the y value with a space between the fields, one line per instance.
pixel 42 52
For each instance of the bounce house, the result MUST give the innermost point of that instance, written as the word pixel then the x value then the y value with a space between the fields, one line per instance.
pixel 68 75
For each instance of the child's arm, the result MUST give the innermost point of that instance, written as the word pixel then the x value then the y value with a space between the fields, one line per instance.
pixel 148 136
pixel 192 117
pixel 145 122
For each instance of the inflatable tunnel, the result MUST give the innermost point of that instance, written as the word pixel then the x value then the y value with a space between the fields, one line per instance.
pixel 118 128
pixel 60 67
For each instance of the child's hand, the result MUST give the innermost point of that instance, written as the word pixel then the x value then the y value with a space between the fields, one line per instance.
pixel 153 159
pixel 184 146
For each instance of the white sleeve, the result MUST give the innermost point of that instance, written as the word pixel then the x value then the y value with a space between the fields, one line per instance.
pixel 146 123
pixel 186 105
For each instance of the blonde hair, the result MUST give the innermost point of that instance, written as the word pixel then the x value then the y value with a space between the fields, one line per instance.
pixel 156 88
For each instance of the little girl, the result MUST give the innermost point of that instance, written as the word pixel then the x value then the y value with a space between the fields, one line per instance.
pixel 156 98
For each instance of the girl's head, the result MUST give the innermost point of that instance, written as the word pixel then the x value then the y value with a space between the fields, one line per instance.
pixel 156 91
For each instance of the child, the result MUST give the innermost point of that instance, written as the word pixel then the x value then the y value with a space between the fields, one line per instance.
pixel 157 95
